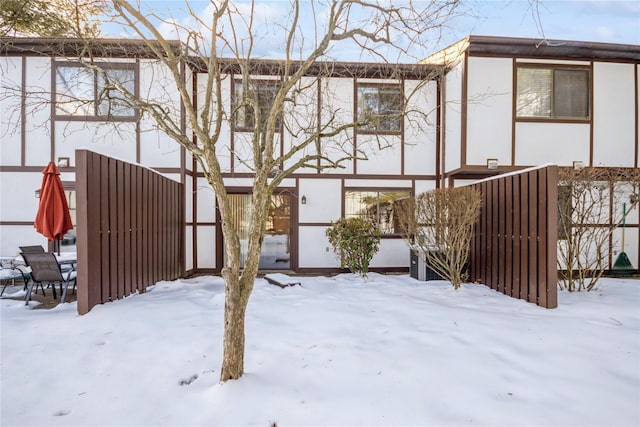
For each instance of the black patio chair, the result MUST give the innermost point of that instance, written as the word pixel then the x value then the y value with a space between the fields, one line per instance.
pixel 31 249
pixel 45 269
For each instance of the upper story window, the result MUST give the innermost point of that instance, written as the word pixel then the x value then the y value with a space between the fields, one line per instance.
pixel 380 106
pixel 83 92
pixel 264 94
pixel 552 93
pixel 377 206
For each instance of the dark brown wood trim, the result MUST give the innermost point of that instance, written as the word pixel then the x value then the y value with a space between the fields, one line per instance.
pixel 232 128
pixel 637 126
pixel 314 224
pixel 463 112
pixel 331 176
pixel 355 129
pixel 183 167
pixel 514 97
pixel 294 253
pixel 551 120
pixel 552 49
pixel 551 58
pixel 319 104
pixel 439 127
pixel 342 189
pixel 382 188
pixel 20 223
pixel 334 271
pixel 591 113
pixel 138 117
pixel 402 125
pixel 52 107
pixel 26 169
pixel 194 187
pixel 23 113
pixel 443 151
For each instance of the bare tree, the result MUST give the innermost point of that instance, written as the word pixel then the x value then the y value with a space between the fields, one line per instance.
pixel 438 225
pixel 50 18
pixel 587 217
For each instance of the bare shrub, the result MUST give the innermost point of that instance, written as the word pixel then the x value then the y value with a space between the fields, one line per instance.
pixel 439 226
pixel 587 216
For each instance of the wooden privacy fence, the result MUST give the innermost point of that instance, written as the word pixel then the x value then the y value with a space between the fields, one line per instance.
pixel 514 250
pixel 129 229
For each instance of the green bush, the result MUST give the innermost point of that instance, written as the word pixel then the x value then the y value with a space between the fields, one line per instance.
pixel 355 241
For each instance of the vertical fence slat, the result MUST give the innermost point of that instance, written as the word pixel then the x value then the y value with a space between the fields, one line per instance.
pixel 130 227
pixel 514 249
pixel 552 237
pixel 508 236
pixel 533 236
pixel 517 242
pixel 128 274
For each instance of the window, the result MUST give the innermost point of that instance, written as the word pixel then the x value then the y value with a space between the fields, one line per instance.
pixel 552 93
pixel 83 92
pixel 265 93
pixel 377 206
pixel 380 107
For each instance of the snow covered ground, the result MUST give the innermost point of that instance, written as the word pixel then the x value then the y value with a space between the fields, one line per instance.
pixel 334 351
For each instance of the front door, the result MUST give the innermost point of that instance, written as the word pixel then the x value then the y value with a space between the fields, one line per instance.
pixel 276 247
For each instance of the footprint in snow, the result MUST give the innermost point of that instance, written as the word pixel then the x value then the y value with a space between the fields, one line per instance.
pixel 62 413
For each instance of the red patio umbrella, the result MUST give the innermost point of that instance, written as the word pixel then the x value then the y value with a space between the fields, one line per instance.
pixel 53 219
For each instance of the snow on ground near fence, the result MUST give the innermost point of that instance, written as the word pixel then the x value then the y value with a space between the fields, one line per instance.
pixel 334 351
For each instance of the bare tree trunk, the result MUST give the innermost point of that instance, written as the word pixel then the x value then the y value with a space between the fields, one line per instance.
pixel 233 341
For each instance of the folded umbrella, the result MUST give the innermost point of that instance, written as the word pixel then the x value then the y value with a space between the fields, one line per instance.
pixel 53 219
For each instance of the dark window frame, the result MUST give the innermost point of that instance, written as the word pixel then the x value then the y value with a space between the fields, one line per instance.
pixel 248 113
pixel 555 71
pixel 378 190
pixel 375 129
pixel 94 100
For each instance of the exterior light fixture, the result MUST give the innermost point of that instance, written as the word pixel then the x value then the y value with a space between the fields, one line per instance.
pixel 303 200
pixel 37 193
pixel 578 164
pixel 492 164
pixel 63 162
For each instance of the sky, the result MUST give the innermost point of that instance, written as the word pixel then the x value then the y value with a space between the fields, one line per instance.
pixel 611 21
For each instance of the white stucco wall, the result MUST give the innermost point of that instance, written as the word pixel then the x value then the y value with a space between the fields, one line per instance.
pixel 392 253
pixel 613 114
pixel 301 118
pixel 338 100
pixel 559 143
pixel 206 209
pixel 38 112
pixel 383 153
pixel 422 186
pixel 489 112
pixel 315 250
pixel 156 148
pixel 420 128
pixel 188 248
pixel 99 137
pixel 453 117
pixel 10 110
pixel 206 247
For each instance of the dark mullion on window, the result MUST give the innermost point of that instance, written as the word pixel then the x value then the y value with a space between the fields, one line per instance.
pixel 556 93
